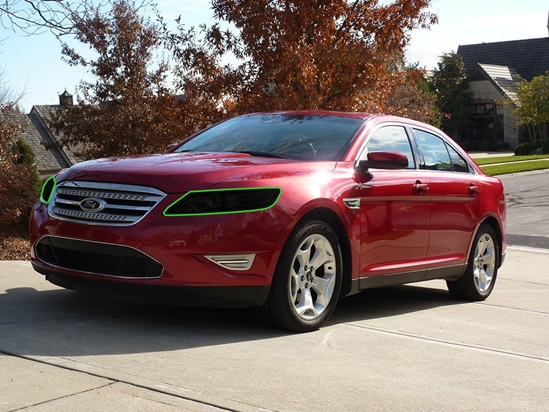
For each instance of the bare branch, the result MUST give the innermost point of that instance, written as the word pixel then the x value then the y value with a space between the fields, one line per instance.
pixel 60 17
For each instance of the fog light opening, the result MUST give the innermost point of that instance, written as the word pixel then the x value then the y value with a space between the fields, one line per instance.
pixel 233 262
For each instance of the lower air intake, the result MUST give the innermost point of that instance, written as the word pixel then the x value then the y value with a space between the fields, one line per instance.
pixel 97 258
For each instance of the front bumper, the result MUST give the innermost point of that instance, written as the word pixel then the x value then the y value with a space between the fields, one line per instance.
pixel 171 252
pixel 224 297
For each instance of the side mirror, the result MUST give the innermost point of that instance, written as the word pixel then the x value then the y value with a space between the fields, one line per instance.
pixel 382 160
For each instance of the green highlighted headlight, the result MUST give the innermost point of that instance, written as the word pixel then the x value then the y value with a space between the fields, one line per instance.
pixel 224 201
pixel 47 190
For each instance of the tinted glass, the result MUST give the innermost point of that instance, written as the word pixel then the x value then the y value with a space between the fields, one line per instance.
pixel 434 151
pixel 458 163
pixel 390 139
pixel 304 137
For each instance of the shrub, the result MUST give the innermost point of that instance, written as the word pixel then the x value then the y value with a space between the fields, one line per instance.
pixel 524 149
pixel 26 157
pixel 19 182
pixel 529 148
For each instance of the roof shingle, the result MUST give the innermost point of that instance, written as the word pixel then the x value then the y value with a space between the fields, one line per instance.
pixel 530 57
pixel 504 78
pixel 47 160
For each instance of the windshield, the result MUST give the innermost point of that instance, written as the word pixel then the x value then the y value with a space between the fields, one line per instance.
pixel 291 136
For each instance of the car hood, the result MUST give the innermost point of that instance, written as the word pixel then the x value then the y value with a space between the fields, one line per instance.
pixel 180 172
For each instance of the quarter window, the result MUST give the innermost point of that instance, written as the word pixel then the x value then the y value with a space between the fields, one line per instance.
pixel 458 163
pixel 390 139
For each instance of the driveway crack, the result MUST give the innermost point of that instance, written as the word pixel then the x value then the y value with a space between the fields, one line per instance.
pixel 454 344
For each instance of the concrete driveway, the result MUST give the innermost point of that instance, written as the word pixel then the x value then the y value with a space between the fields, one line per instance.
pixel 408 348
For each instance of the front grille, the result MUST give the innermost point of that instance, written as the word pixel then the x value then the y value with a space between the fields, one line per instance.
pixel 120 205
pixel 97 258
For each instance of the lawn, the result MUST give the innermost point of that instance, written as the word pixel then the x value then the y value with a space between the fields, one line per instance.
pixel 512 164
pixel 507 159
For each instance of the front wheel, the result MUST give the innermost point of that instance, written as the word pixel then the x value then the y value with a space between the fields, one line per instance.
pixel 307 280
pixel 480 276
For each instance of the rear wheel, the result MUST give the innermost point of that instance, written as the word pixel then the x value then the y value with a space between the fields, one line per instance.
pixel 307 280
pixel 480 276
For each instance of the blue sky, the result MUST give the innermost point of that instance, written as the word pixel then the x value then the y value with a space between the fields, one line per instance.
pixel 34 63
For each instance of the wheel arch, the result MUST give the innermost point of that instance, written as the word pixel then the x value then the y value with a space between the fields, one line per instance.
pixel 494 224
pixel 332 218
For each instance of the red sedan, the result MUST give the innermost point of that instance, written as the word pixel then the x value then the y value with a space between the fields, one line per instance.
pixel 284 211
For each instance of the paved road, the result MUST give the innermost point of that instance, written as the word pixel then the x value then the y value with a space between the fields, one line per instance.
pixel 527 208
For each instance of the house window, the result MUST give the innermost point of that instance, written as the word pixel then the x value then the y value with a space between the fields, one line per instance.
pixel 487 122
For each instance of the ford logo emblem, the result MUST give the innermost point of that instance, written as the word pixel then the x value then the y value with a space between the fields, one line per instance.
pixel 92 205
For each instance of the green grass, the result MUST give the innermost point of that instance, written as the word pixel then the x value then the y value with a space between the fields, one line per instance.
pixel 507 159
pixel 507 168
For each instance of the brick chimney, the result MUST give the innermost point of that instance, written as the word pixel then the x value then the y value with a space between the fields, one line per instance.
pixel 65 99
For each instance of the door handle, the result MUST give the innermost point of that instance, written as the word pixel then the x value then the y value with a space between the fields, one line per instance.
pixel 473 189
pixel 421 187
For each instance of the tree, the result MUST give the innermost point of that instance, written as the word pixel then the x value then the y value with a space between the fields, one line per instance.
pixel 531 103
pixel 128 109
pixel 301 54
pixel 449 83
pixel 19 181
pixel 60 17
pixel 413 99
pixel 7 96
pixel 35 16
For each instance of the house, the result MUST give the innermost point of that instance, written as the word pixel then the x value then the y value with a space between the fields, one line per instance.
pixel 493 70
pixel 49 159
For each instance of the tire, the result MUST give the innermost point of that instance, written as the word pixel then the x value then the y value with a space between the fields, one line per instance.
pixel 307 280
pixel 479 278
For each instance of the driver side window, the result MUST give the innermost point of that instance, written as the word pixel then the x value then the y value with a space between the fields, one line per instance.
pixel 390 139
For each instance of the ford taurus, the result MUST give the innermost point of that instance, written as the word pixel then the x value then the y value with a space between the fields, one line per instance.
pixel 286 212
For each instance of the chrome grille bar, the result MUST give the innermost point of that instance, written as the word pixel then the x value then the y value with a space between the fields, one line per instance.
pixel 121 205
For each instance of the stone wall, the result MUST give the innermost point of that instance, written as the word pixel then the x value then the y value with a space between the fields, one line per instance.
pixel 484 91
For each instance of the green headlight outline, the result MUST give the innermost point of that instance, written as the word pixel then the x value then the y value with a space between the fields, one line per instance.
pixel 42 199
pixel 190 192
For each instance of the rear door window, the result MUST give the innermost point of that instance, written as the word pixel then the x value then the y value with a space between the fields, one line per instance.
pixel 439 155
pixel 434 151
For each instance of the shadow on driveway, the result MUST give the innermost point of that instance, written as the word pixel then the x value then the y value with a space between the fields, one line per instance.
pixel 65 323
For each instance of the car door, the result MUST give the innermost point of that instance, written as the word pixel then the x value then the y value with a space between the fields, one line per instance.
pixel 394 211
pixel 455 195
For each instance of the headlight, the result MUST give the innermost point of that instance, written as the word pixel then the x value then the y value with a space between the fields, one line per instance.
pixel 224 201
pixel 47 190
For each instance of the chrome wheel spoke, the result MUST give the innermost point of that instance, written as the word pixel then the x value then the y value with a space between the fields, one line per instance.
pixel 294 285
pixel 324 288
pixel 322 253
pixel 304 253
pixel 306 308
pixel 481 279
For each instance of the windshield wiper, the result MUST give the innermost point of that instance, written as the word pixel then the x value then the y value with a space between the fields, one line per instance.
pixel 261 154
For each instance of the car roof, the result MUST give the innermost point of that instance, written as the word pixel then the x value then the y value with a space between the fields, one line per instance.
pixel 356 115
pixel 379 117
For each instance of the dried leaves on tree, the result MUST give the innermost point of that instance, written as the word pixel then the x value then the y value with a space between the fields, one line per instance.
pixel 303 54
pixel 258 56
pixel 19 179
pixel 128 109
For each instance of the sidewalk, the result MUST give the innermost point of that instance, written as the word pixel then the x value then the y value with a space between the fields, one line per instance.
pixel 475 155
